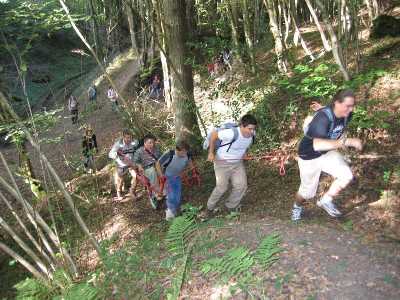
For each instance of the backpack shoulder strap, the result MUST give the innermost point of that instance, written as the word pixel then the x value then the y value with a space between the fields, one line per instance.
pixel 329 113
pixel 234 139
pixel 171 154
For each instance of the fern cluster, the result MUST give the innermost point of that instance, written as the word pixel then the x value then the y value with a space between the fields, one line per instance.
pixel 235 262
pixel 267 250
pixel 179 234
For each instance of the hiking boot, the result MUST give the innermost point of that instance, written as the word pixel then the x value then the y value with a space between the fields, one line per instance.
pixel 296 212
pixel 208 214
pixel 169 215
pixel 330 208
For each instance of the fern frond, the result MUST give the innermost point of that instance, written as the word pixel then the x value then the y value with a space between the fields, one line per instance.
pixel 179 234
pixel 235 262
pixel 268 249
pixel 82 291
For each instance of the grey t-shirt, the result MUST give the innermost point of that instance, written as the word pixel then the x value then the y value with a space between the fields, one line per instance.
pixel 177 164
pixel 146 158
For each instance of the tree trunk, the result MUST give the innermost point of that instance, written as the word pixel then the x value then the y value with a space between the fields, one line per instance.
pixel 95 30
pixel 318 24
pixel 191 20
pixel 280 51
pixel 26 248
pixel 25 263
pixel 248 35
pixel 233 20
pixel 129 15
pixel 298 34
pixel 184 107
pixel 336 47
pixel 163 53
pixel 39 248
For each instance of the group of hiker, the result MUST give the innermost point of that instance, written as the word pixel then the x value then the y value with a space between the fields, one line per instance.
pixel 144 162
pixel 228 145
pixel 220 63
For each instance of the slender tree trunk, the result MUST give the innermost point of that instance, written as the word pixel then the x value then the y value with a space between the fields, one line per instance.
pixel 287 20
pixel 129 15
pixel 163 52
pixel 184 107
pixel 299 35
pixel 39 248
pixel 370 12
pixel 233 20
pixel 280 51
pixel 95 29
pixel 248 35
pixel 319 26
pixel 26 248
pixel 336 47
pixel 36 220
pixel 25 263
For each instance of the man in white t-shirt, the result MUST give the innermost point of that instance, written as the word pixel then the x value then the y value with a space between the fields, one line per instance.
pixel 113 97
pixel 227 150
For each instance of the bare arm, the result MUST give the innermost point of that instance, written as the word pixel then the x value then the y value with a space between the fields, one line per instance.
pixel 211 147
pixel 158 169
pixel 327 144
pixel 343 142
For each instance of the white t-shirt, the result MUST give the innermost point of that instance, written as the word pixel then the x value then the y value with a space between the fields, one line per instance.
pixel 237 149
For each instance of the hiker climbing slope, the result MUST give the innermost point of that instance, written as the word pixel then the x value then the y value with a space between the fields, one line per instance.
pixel 170 166
pixel 113 97
pixel 230 145
pixel 122 153
pixel 92 93
pixel 318 153
pixel 89 148
pixel 145 159
pixel 73 106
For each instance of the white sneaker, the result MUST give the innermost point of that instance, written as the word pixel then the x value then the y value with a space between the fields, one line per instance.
pixel 296 212
pixel 329 207
pixel 169 215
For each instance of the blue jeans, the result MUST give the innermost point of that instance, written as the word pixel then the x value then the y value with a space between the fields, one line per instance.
pixel 174 192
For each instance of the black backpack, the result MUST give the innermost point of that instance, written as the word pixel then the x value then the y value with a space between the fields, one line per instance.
pixel 171 154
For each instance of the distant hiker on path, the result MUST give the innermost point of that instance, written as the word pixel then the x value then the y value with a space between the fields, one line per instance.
pixel 92 93
pixel 323 136
pixel 73 108
pixel 145 159
pixel 227 149
pixel 170 166
pixel 113 97
pixel 122 153
pixel 89 148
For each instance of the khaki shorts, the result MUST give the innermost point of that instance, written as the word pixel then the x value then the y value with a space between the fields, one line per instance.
pixel 331 163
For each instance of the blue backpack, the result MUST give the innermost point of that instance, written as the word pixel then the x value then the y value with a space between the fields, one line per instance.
pixel 327 110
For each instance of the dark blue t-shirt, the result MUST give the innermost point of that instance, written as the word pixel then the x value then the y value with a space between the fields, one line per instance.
pixel 319 128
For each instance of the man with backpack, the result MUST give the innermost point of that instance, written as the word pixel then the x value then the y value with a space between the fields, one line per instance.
pixel 73 108
pixel 92 93
pixel 227 148
pixel 170 166
pixel 122 153
pixel 323 136
pixel 145 159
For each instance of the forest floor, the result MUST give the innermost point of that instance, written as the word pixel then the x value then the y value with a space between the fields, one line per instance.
pixel 356 257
